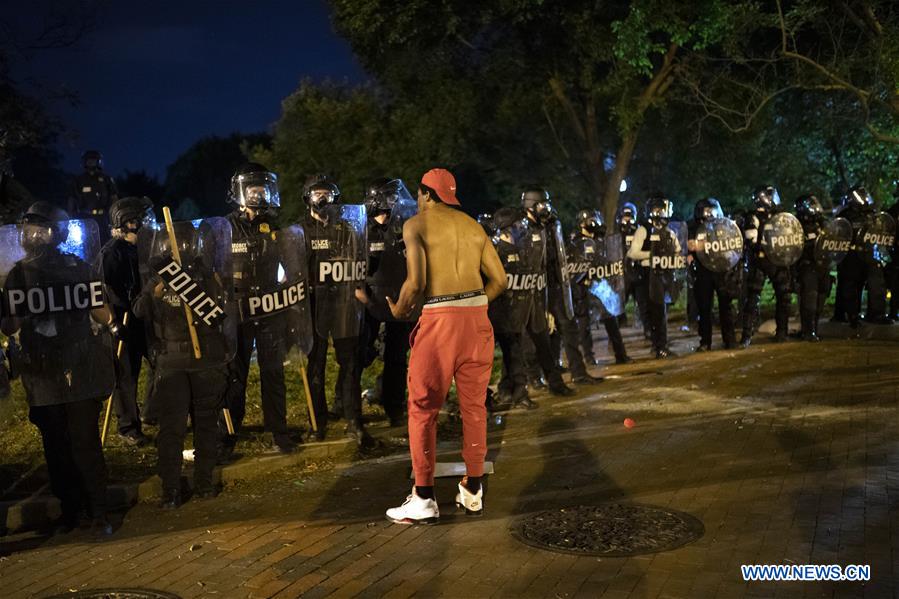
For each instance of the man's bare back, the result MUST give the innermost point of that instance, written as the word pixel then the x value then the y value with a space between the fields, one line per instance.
pixel 447 252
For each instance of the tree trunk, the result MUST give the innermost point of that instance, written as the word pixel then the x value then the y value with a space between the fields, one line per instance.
pixel 623 157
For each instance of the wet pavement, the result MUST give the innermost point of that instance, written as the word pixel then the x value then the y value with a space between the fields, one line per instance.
pixel 787 454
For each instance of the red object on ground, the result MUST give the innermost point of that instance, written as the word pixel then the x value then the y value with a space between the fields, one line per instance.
pixel 449 342
pixel 629 423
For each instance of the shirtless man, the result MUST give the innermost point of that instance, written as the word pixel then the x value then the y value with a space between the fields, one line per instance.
pixel 447 252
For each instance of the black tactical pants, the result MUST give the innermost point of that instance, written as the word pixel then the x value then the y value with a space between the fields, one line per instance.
pixel 348 378
pixel 125 396
pixel 532 351
pixel 658 325
pixel 585 332
pixel 640 291
pixel 395 357
pixel 75 464
pixel 814 287
pixel 856 273
pixel 706 286
pixel 201 395
pixel 760 270
pixel 270 354
pixel 566 335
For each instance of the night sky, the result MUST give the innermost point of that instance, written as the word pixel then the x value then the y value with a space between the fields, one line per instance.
pixel 153 77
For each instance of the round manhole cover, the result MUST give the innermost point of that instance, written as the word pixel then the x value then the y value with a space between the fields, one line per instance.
pixel 612 530
pixel 117 594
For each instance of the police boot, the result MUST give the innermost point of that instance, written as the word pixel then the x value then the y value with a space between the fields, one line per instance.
pixel 558 388
pixel 808 328
pixel 356 431
pixel 521 399
pixel 171 500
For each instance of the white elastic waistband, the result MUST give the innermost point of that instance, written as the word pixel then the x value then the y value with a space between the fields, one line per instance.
pixel 478 300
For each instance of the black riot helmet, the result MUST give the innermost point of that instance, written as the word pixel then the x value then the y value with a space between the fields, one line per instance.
pixel 131 210
pixel 706 209
pixel 44 226
pixel 658 210
pixel 320 191
pixel 592 221
pixel 511 221
pixel 535 200
pixel 626 218
pixel 92 160
pixel 859 196
pixel 382 194
pixel 486 222
pixel 254 186
pixel 808 209
pixel 765 198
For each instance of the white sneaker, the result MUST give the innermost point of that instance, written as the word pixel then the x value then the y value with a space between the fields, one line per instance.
pixel 415 510
pixel 472 503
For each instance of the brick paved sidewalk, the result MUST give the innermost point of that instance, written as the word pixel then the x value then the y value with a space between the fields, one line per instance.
pixel 788 454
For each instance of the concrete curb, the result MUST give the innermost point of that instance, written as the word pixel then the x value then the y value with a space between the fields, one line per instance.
pixel 39 510
pixel 841 330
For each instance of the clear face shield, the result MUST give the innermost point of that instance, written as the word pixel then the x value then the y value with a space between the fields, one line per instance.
pixel 386 198
pixel 660 214
pixel 258 191
pixel 37 235
pixel 319 198
pixel 712 211
pixel 543 210
pixel 516 232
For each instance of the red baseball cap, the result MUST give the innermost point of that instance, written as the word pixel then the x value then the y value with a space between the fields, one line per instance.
pixel 443 182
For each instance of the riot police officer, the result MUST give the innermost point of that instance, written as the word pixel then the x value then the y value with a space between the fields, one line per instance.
pixel 335 245
pixel 187 305
pixel 654 240
pixel 93 192
pixel 123 284
pixel 592 230
pixel 63 354
pixel 723 282
pixel 254 247
pixel 540 214
pixel 521 309
pixel 388 204
pixel 759 267
pixel 863 266
pixel 812 273
pixel 635 275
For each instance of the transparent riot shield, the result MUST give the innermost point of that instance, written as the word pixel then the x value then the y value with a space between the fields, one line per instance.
pixel 605 278
pixel 54 299
pixel 340 271
pixel 782 239
pixel 388 279
pixel 562 261
pixel 272 287
pixel 187 302
pixel 521 257
pixel 536 320
pixel 667 262
pixel 877 238
pixel 719 244
pixel 833 242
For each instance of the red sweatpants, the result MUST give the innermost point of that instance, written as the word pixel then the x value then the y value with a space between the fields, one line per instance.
pixel 450 342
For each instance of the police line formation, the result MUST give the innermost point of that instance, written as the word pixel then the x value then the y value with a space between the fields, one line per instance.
pixel 81 312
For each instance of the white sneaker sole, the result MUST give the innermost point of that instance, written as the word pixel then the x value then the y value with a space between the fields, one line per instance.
pixel 413 521
pixel 468 512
